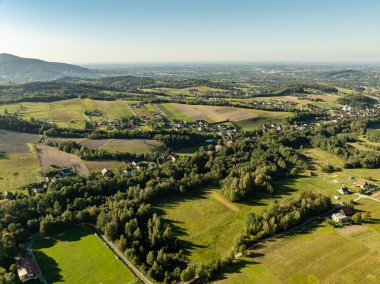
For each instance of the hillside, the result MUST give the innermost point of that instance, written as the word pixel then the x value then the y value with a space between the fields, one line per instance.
pixel 18 69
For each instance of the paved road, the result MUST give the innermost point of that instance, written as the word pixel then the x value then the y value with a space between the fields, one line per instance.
pixel 288 231
pixel 30 251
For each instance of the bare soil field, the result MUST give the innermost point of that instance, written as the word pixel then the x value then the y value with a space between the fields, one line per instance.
pixel 95 166
pixel 234 114
pixel 199 112
pixel 124 145
pixel 16 142
pixel 52 156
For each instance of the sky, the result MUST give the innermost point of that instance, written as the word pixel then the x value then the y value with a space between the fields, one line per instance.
pixel 121 31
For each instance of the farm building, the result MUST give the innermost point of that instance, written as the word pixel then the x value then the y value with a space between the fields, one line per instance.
pixel 339 217
pixel 346 211
pixel 106 172
pixel 343 190
pixel 362 184
pixel 26 269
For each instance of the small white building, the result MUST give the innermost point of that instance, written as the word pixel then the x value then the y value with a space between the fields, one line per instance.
pixel 339 217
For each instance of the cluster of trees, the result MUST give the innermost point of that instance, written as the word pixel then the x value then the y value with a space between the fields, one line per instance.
pixel 260 165
pixel 281 216
pixel 353 157
pixel 89 154
pixel 357 101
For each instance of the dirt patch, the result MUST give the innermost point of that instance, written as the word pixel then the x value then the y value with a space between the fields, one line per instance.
pixel 16 142
pixel 52 156
pixel 353 229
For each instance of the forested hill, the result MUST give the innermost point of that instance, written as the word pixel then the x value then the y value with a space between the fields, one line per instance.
pixel 18 69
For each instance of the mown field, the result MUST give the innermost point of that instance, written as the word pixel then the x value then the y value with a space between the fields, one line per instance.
pixel 52 157
pixel 19 162
pixel 314 254
pixel 137 146
pixel 79 256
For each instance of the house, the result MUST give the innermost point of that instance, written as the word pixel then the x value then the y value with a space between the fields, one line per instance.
pixel 38 188
pixel 362 184
pixel 8 195
pixel 26 269
pixel 346 211
pixel 343 190
pixel 338 217
pixel 106 172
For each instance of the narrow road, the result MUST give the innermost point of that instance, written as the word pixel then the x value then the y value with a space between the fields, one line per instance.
pixel 131 109
pixel 360 196
pixel 29 245
pixel 134 270
pixel 311 219
pixel 159 110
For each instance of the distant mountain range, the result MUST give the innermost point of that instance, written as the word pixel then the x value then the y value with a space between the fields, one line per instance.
pixel 18 69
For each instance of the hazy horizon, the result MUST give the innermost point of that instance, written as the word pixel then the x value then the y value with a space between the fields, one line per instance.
pixel 225 31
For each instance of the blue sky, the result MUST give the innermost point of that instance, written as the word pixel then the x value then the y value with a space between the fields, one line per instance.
pixel 94 31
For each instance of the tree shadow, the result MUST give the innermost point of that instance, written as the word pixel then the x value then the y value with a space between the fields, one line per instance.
pixel 49 267
pixel 235 268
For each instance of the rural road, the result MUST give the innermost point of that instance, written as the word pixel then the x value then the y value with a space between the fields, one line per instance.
pixel 29 244
pixel 134 270
pixel 238 255
pixel 159 110
pixel 360 196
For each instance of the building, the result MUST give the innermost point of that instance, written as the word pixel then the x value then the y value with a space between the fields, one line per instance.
pixel 106 172
pixel 26 269
pixel 346 211
pixel 339 217
pixel 362 184
pixel 343 190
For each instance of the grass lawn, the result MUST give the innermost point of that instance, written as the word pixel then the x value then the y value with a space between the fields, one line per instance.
pixel 80 257
pixel 18 170
pixel 315 254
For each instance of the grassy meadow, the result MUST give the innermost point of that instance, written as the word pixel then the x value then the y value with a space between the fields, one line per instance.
pixel 315 254
pixel 79 256
pixel 70 113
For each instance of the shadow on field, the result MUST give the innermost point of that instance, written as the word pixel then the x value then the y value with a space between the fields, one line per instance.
pixel 235 268
pixel 3 155
pixel 49 267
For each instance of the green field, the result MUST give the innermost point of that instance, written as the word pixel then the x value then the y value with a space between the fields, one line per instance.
pixel 314 254
pixel 172 112
pixel 80 257
pixel 18 170
pixel 207 224
pixel 264 117
pixel 70 113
